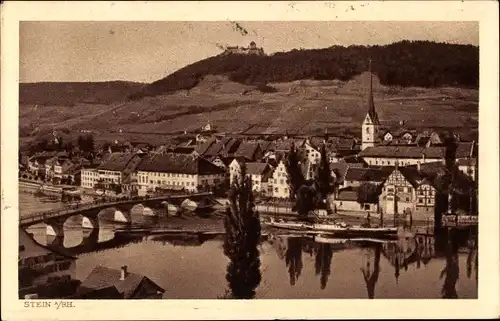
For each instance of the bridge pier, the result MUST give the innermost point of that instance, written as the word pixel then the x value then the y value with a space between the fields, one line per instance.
pixel 54 232
pixel 55 227
pixel 90 239
pixel 90 222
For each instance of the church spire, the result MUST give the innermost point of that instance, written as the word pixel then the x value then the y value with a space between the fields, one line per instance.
pixel 371 105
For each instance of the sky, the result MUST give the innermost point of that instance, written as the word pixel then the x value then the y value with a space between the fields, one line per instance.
pixel 148 51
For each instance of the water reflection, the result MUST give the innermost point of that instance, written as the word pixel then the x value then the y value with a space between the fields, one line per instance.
pixel 323 262
pixel 370 275
pixel 293 258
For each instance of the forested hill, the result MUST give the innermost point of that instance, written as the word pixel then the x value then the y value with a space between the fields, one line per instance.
pixel 405 63
pixel 71 93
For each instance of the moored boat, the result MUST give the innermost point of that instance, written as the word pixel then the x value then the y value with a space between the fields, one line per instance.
pixel 324 238
pixel 339 229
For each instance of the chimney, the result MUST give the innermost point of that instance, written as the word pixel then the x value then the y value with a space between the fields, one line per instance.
pixel 418 166
pixel 124 273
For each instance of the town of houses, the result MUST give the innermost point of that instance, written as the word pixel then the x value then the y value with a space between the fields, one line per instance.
pixel 401 161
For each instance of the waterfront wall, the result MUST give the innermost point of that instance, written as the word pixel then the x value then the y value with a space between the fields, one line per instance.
pixel 31 187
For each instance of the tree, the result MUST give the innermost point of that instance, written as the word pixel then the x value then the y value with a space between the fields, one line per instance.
pixel 324 176
pixel 368 193
pixel 295 175
pixel 242 238
pixel 86 143
pixel 306 199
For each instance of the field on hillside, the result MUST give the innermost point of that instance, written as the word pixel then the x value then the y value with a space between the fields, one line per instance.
pixel 301 107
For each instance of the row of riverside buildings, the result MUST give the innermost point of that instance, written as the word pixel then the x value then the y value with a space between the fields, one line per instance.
pixel 405 165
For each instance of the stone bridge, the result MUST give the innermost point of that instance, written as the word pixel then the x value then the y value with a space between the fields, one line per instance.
pixel 55 219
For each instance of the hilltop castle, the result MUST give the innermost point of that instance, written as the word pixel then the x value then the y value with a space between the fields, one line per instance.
pixel 252 49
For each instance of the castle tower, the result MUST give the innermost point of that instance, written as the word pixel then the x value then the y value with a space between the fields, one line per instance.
pixel 370 126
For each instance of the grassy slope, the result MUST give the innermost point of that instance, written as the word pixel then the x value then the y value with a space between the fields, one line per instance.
pixel 302 107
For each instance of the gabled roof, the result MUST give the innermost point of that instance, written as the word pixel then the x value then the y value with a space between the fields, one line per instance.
pixel 265 145
pixel 178 163
pixel 183 150
pixel 366 174
pixel 214 149
pixel 202 148
pixel 340 170
pixel 247 150
pixel 257 168
pixel 103 277
pixel 315 142
pixel 117 161
pixel 464 150
pixel 347 194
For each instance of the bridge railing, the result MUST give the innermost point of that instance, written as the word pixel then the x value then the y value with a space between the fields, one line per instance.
pixel 41 216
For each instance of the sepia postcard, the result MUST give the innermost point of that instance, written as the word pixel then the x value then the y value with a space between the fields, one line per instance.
pixel 249 160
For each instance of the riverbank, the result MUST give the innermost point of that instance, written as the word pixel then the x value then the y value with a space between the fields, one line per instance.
pixel 34 187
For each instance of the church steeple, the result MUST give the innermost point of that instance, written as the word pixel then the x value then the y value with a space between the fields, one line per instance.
pixel 371 105
pixel 370 126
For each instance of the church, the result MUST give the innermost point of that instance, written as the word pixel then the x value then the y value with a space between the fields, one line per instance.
pixel 380 148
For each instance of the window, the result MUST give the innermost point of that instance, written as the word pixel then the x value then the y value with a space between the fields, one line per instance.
pixel 420 200
pixel 367 206
pixel 276 189
pixel 407 199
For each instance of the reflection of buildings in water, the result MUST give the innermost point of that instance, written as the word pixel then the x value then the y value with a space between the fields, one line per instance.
pixel 371 272
pixel 425 248
pixel 279 244
pixel 406 252
pixel 43 272
pixel 401 254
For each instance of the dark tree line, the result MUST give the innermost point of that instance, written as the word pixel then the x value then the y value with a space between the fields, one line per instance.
pixel 72 93
pixel 405 63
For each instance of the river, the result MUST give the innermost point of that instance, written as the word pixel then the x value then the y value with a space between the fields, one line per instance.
pixel 291 267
